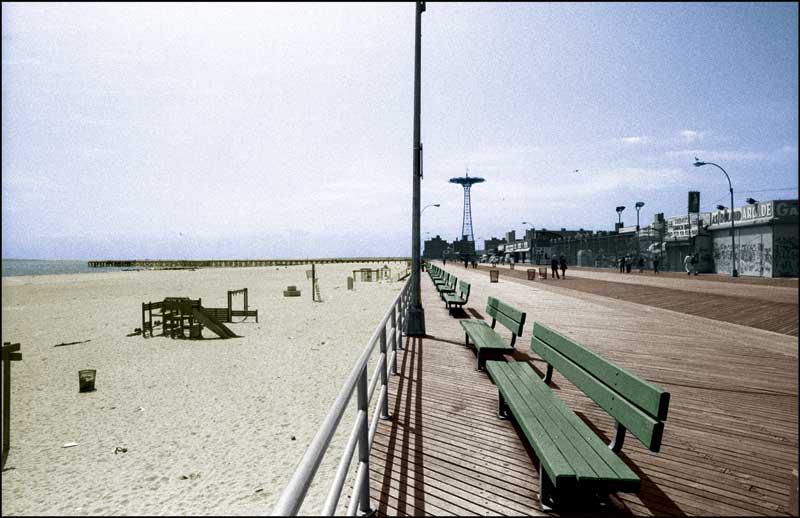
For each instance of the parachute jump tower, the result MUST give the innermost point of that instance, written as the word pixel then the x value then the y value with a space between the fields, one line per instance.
pixel 466 223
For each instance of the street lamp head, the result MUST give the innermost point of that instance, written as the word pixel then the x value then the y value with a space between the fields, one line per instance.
pixel 620 208
pixel 751 201
pixel 639 204
pixel 436 205
pixel 721 207
pixel 697 162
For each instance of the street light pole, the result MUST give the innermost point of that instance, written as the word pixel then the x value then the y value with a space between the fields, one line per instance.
pixel 415 324
pixel 734 272
pixel 639 205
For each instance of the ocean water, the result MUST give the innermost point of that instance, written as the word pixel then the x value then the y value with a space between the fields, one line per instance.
pixel 14 267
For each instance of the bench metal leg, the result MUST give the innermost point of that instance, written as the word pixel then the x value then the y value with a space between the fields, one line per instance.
pixel 478 357
pixel 466 340
pixel 619 438
pixel 546 490
pixel 549 374
pixel 502 408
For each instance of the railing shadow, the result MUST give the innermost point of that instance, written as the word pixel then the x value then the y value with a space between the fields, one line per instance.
pixel 409 390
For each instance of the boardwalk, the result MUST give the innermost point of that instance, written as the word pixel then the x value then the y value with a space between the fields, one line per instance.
pixel 770 304
pixel 730 442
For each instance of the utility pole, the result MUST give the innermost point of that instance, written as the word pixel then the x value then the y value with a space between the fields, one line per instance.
pixel 415 324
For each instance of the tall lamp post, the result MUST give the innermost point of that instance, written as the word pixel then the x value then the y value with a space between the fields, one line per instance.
pixel 639 205
pixel 619 213
pixel 426 206
pixel 415 325
pixel 699 163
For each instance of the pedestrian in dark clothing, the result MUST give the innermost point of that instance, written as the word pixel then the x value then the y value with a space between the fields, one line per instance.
pixel 628 264
pixel 621 265
pixel 655 265
pixel 562 262
pixel 466 263
pixel 554 267
pixel 640 264
pixel 695 260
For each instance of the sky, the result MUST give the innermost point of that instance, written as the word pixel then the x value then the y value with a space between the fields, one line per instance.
pixel 195 131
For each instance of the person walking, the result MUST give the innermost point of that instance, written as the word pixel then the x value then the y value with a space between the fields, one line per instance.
pixel 622 264
pixel 695 260
pixel 687 264
pixel 628 264
pixel 640 264
pixel 563 264
pixel 655 265
pixel 554 266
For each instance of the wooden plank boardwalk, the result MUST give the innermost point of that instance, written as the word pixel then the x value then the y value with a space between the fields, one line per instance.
pixel 770 307
pixel 730 441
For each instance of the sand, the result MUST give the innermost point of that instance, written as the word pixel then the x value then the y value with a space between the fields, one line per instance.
pixel 211 427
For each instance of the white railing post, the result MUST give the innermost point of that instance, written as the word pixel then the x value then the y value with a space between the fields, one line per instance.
pixel 363 444
pixel 394 339
pixel 362 433
pixel 384 376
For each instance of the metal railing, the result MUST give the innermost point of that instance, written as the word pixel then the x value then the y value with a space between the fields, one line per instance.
pixel 363 431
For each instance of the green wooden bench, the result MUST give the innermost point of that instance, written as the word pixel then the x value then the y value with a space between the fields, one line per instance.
pixel 572 458
pixel 453 299
pixel 448 287
pixel 443 280
pixel 485 338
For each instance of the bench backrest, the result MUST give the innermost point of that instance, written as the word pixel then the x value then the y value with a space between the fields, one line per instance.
pixel 463 288
pixel 509 316
pixel 637 404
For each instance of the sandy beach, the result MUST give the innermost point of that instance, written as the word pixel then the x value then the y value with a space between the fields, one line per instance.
pixel 211 427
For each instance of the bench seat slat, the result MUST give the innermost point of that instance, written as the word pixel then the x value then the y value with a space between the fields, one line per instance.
pixel 558 468
pixel 452 298
pixel 585 447
pixel 483 336
pixel 639 423
pixel 650 398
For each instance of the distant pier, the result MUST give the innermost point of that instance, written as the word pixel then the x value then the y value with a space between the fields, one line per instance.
pixel 236 263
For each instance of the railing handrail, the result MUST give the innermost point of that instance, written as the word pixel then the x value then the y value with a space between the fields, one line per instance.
pixel 293 495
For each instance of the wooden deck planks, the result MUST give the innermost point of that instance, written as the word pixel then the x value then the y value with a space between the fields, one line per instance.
pixel 730 440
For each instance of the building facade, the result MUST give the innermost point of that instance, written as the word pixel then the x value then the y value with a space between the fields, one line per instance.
pixel 765 237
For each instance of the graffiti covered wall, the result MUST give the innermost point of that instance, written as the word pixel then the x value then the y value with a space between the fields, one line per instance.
pixel 753 251
pixel 785 256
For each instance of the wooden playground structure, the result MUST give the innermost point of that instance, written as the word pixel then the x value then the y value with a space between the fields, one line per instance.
pixel 182 317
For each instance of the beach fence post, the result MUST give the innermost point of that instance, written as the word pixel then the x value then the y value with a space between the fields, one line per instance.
pixel 362 476
pixel 10 353
pixel 394 339
pixel 384 367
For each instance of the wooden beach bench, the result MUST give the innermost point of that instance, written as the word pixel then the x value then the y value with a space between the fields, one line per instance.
pixel 573 460
pixel 453 299
pixel 485 338
pixel 448 287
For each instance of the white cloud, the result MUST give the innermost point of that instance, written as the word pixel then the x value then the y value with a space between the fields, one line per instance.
pixel 692 136
pixel 718 155
pixel 634 140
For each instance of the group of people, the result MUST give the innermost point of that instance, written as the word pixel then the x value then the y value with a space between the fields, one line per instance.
pixel 627 262
pixel 556 263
